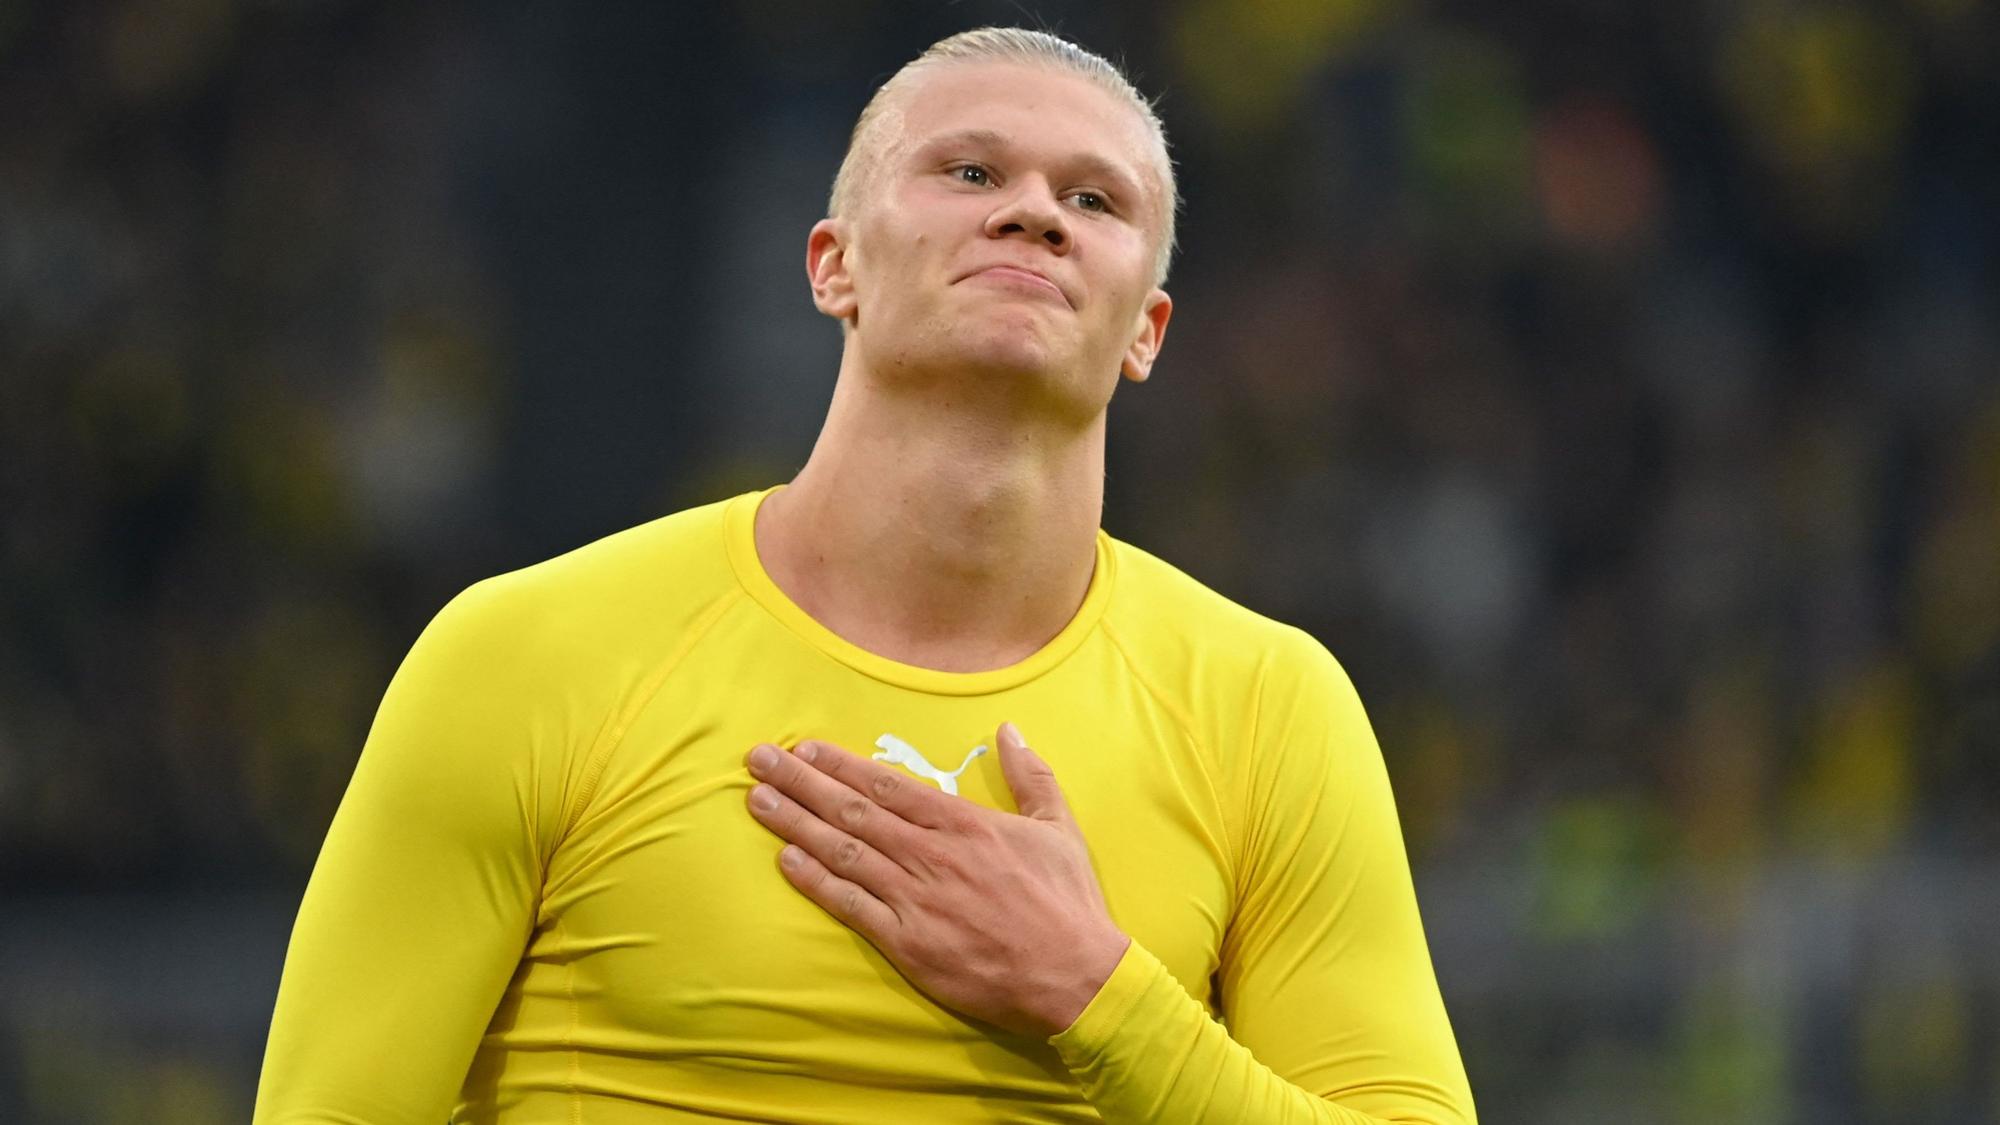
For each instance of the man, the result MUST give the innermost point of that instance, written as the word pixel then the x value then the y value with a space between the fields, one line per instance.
pixel 550 894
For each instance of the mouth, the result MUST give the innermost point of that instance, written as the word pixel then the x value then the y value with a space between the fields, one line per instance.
pixel 1022 279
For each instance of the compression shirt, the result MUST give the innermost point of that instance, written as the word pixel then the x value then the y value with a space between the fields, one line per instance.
pixel 542 898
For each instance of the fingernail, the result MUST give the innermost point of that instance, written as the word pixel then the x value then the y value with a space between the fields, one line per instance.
pixel 762 758
pixel 1008 728
pixel 763 798
pixel 805 752
pixel 791 856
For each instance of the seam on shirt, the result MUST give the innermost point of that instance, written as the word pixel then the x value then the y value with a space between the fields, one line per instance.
pixel 538 892
pixel 614 730
pixel 1182 721
pixel 1276 864
pixel 1248 788
pixel 1248 824
pixel 569 1036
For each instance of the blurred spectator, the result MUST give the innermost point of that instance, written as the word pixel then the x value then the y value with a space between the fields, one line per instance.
pixel 1615 390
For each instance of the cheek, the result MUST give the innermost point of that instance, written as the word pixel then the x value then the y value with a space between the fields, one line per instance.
pixel 1125 269
pixel 903 258
pixel 1120 300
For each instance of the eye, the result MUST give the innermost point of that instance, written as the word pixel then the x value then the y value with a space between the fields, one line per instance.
pixel 1091 201
pixel 973 174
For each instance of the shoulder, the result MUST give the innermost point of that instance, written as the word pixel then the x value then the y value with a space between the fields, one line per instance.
pixel 646 578
pixel 1164 618
pixel 1159 603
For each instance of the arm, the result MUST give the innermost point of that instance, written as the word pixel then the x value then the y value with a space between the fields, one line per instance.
pixel 424 892
pixel 1333 1011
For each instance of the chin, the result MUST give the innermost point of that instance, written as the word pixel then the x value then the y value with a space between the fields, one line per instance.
pixel 1004 342
pixel 998 348
pixel 1023 370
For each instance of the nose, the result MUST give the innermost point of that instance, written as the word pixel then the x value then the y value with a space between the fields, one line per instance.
pixel 1031 211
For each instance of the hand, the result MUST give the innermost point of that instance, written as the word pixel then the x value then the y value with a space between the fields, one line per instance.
pixel 994 915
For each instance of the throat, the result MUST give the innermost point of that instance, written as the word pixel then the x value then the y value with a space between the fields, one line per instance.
pixel 886 577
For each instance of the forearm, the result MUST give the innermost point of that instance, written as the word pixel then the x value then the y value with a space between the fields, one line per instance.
pixel 1146 1051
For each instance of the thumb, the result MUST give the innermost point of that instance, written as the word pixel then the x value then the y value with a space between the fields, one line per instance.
pixel 1033 783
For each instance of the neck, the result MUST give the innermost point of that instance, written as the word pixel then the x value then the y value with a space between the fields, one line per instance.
pixel 958 536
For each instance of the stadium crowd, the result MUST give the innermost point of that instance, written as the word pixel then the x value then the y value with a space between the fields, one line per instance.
pixel 1615 389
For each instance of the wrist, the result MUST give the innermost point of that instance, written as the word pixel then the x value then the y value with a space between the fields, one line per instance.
pixel 1095 961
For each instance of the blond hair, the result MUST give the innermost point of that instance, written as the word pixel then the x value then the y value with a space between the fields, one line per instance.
pixel 1013 45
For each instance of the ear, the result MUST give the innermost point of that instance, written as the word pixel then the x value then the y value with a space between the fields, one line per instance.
pixel 826 269
pixel 1149 333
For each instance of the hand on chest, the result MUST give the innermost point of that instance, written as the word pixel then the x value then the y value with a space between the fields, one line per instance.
pixel 676 858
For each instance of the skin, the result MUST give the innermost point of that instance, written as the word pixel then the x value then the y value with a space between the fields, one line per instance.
pixel 994 915
pixel 948 515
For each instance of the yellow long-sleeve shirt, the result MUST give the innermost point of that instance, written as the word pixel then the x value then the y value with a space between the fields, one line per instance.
pixel 543 899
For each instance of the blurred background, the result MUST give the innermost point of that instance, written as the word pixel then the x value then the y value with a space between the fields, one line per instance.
pixel 1615 388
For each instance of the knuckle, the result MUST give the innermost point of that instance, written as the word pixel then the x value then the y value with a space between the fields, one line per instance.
pixel 850 900
pixel 886 785
pixel 852 812
pixel 847 854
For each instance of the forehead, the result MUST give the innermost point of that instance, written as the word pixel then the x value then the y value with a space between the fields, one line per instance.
pixel 1034 108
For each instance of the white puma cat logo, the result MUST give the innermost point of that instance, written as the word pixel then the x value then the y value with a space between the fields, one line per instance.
pixel 896 752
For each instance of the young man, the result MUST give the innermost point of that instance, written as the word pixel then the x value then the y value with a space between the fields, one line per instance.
pixel 550 892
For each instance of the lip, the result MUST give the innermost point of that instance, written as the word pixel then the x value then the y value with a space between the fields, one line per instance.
pixel 1025 274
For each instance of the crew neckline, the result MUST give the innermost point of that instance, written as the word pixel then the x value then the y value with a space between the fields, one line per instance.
pixel 740 533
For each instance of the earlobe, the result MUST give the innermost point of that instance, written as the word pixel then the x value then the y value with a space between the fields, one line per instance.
pixel 826 269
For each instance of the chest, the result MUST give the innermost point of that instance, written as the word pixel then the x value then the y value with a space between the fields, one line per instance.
pixel 666 903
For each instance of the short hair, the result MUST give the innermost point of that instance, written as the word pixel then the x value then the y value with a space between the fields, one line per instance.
pixel 1014 45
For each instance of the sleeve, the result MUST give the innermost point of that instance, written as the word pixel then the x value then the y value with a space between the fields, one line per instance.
pixel 425 890
pixel 1332 1008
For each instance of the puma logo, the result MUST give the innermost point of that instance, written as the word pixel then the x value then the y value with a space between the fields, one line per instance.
pixel 896 752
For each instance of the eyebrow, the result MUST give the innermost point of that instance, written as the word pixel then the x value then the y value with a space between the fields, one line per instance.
pixel 1091 165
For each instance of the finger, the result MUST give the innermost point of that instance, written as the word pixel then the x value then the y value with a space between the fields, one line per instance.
pixel 890 788
pixel 846 900
pixel 838 852
pixel 836 804
pixel 1033 783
